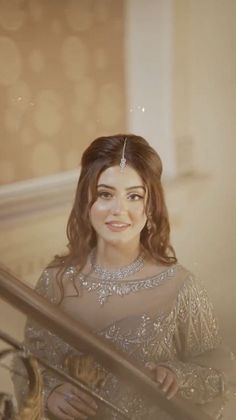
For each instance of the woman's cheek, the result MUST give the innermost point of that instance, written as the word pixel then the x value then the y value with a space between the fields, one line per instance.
pixel 101 206
pixel 138 210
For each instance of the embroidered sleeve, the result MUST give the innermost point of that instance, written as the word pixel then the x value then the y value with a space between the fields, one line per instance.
pixel 198 337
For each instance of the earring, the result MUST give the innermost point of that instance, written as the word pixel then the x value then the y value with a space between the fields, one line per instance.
pixel 149 225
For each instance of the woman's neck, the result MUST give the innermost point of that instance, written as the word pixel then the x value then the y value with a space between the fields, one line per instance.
pixel 111 256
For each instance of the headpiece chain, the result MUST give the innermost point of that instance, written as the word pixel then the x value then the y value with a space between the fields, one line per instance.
pixel 123 159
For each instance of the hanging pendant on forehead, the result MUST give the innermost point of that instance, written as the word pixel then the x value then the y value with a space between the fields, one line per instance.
pixel 123 159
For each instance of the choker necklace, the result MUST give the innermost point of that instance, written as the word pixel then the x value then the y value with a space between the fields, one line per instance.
pixel 119 273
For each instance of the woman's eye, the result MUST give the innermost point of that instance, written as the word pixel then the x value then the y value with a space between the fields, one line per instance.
pixel 135 197
pixel 104 194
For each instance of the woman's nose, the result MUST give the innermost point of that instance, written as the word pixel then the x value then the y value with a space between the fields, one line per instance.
pixel 119 205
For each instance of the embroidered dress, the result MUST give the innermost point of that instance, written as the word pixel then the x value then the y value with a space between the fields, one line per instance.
pixel 165 318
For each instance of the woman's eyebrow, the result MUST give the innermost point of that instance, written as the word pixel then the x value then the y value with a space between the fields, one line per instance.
pixel 136 187
pixel 127 189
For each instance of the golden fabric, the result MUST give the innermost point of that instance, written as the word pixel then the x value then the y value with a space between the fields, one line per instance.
pixel 32 408
pixel 85 369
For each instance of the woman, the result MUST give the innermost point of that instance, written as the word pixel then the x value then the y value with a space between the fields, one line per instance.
pixel 122 278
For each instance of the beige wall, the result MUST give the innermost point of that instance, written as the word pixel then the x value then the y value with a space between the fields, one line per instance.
pixel 61 82
pixel 205 109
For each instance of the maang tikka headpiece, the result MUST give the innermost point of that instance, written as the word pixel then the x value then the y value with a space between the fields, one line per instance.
pixel 123 159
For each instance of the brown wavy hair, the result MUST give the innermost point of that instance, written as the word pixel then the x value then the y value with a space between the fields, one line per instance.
pixel 101 154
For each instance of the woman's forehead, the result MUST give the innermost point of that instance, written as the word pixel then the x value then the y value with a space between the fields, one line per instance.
pixel 114 176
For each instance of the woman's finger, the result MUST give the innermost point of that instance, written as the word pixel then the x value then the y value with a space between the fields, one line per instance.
pixel 61 414
pixel 78 400
pixel 68 408
pixel 168 381
pixel 172 391
pixel 68 417
pixel 161 374
pixel 85 398
pixel 166 378
pixel 80 405
pixel 150 365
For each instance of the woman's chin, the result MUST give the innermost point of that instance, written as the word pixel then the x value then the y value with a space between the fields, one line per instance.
pixel 120 240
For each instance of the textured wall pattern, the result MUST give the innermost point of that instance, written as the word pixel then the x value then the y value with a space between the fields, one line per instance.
pixel 61 82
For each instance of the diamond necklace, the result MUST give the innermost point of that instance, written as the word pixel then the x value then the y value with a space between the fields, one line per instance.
pixel 118 274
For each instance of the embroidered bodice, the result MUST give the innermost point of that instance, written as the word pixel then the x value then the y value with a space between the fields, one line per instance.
pixel 168 320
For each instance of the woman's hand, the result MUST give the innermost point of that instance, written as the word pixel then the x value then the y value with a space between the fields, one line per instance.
pixel 166 378
pixel 67 402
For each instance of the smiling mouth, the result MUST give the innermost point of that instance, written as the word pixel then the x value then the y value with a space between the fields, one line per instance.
pixel 117 226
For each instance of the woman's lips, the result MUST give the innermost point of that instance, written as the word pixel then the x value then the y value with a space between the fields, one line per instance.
pixel 117 226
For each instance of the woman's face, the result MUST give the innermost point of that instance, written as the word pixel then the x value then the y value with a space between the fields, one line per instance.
pixel 118 214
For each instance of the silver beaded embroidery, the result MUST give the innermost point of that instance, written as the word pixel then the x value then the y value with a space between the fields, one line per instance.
pixel 106 288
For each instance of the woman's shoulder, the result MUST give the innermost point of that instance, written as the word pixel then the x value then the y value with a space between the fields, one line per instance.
pixel 191 291
pixel 47 284
pixel 179 274
pixel 183 282
pixel 55 279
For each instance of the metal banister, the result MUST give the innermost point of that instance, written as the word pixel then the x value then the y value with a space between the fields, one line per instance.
pixel 80 337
